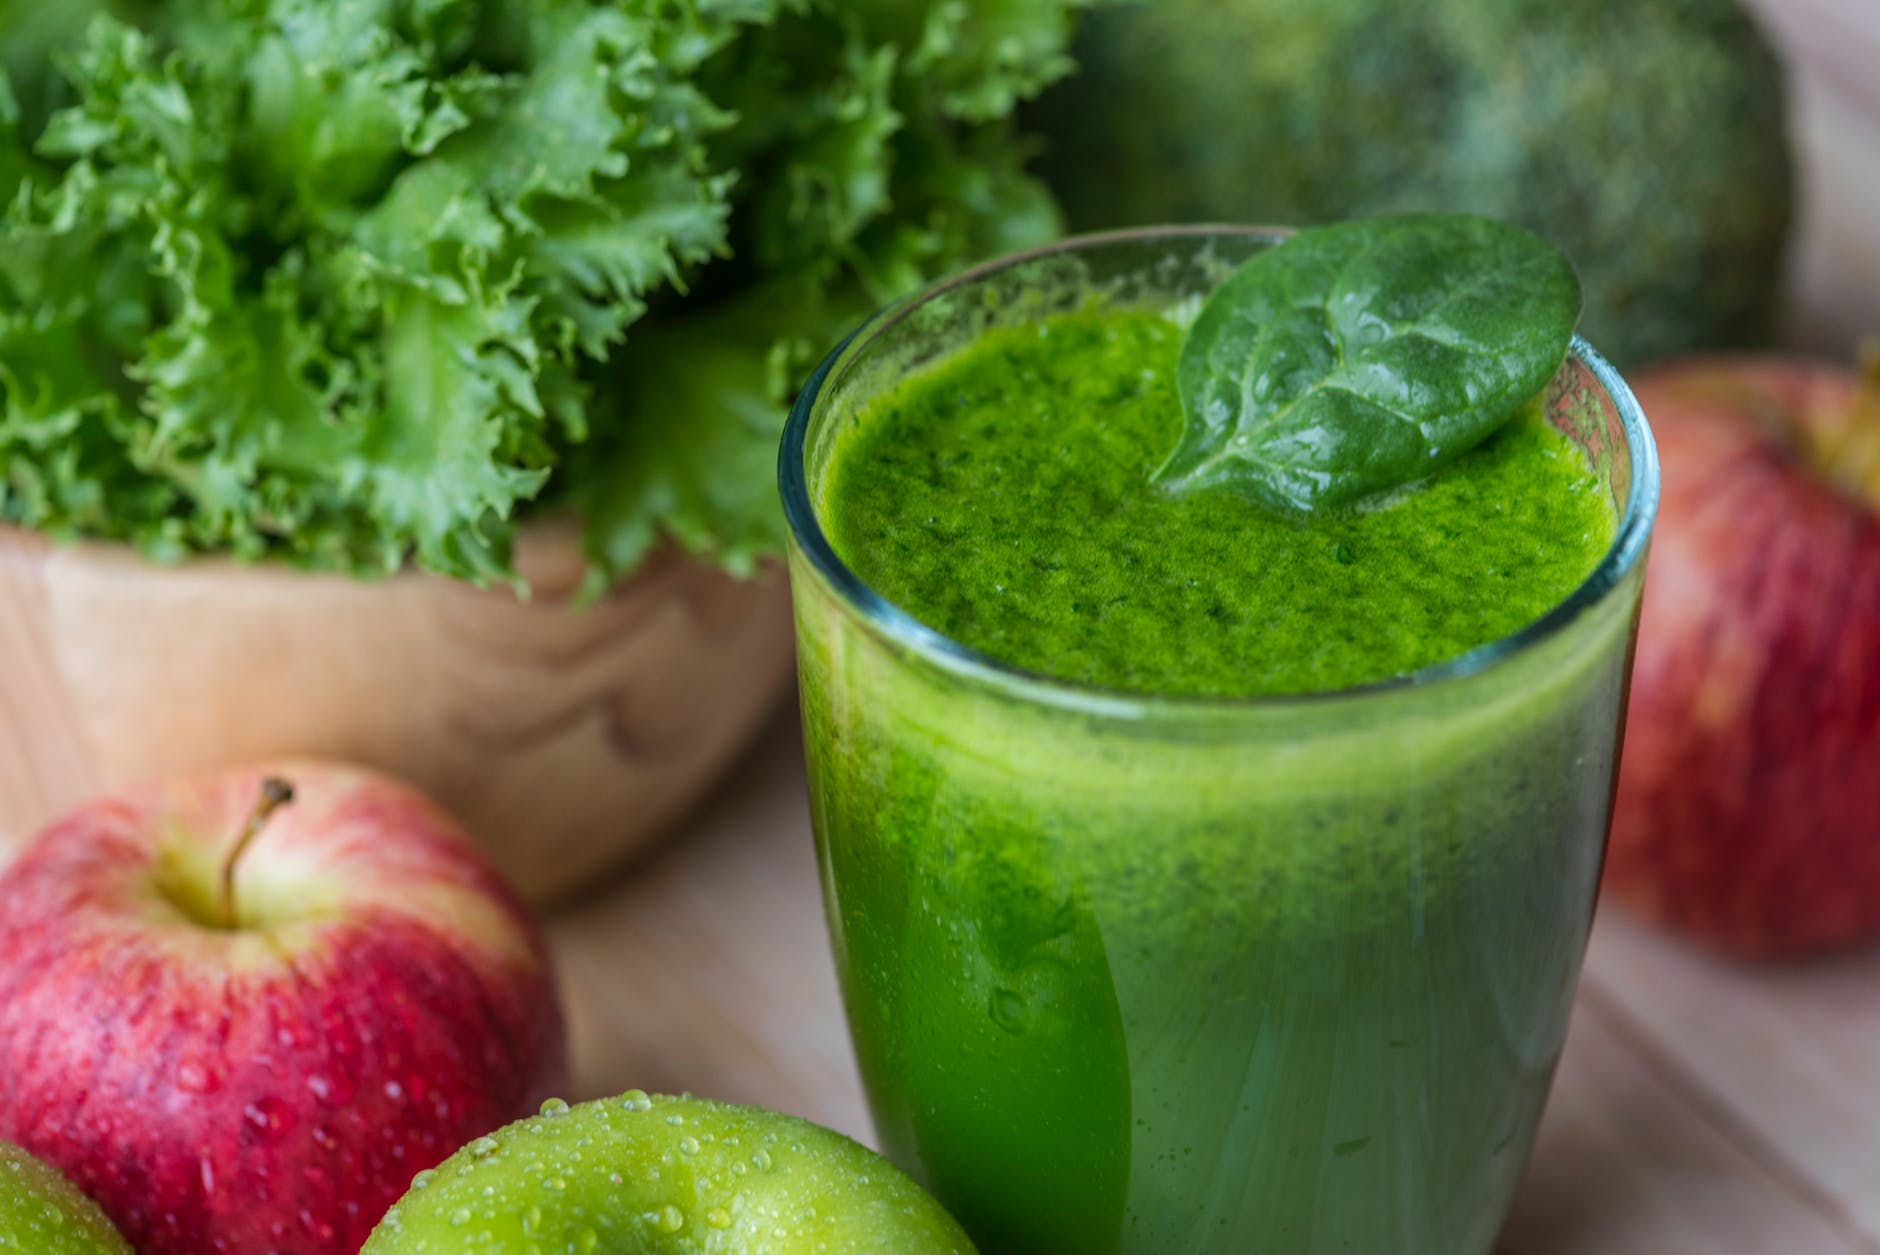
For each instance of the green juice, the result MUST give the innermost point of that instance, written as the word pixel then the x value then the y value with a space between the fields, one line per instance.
pixel 1004 497
pixel 1147 946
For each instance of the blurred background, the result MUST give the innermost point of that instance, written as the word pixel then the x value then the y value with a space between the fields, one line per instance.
pixel 1833 47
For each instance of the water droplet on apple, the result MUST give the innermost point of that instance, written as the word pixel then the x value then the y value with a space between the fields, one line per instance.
pixel 636 1100
pixel 321 1231
pixel 422 1179
pixel 1008 1010
pixel 688 1146
pixel 394 1091
pixel 484 1147
pixel 460 1217
pixel 557 1184
pixel 671 1219
pixel 266 1117
pixel 761 1161
pixel 718 1218
pixel 554 1108
pixel 192 1077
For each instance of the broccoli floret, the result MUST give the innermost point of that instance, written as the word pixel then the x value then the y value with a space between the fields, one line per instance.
pixel 1646 137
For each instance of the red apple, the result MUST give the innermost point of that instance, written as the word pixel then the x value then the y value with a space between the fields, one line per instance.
pixel 242 1011
pixel 1748 811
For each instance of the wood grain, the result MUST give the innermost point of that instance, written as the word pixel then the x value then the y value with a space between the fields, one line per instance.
pixel 1784 1057
pixel 1631 1162
pixel 566 739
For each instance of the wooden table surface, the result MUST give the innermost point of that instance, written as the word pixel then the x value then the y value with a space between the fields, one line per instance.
pixel 1702 1108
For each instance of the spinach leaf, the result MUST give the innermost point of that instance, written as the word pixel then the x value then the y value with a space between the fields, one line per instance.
pixel 1357 358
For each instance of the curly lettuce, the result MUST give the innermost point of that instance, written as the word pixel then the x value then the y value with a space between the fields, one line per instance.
pixel 358 283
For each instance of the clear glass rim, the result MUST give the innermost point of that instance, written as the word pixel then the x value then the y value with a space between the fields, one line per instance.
pixel 901 628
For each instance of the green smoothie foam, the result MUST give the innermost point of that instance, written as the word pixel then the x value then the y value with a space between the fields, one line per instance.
pixel 1197 977
pixel 1004 497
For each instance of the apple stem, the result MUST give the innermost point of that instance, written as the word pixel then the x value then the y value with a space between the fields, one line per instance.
pixel 275 793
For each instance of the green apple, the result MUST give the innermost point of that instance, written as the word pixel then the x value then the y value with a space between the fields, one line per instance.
pixel 666 1176
pixel 41 1212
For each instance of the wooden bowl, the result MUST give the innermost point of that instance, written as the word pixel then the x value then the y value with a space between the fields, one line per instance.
pixel 567 739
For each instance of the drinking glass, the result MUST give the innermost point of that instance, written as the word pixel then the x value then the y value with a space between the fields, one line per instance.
pixel 1159 975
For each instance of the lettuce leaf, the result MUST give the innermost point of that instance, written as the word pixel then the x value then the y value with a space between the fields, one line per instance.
pixel 358 283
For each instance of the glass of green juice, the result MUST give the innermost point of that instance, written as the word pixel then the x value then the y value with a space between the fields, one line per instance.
pixel 1200 880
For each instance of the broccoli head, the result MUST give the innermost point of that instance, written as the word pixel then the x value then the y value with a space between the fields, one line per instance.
pixel 1647 138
